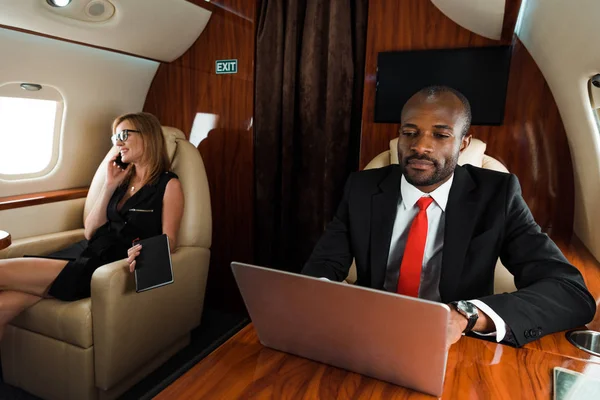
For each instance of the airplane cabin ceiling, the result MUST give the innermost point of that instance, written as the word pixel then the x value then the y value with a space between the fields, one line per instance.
pixel 484 17
pixel 157 29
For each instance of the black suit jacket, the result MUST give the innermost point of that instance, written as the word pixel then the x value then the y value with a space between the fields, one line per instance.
pixel 485 218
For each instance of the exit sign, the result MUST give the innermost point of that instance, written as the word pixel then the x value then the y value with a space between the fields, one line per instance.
pixel 226 66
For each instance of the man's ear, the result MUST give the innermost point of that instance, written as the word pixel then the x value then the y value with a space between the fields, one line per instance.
pixel 465 142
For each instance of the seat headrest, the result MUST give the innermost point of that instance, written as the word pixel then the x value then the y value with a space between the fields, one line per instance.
pixel 471 155
pixel 171 136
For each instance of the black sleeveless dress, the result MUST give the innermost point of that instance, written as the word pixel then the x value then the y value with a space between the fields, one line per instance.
pixel 139 218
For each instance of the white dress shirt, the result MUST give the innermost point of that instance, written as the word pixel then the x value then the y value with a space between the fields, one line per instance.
pixel 434 245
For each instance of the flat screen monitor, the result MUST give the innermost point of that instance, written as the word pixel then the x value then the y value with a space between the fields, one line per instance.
pixel 480 73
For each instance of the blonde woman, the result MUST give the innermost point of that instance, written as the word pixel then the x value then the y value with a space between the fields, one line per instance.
pixel 140 199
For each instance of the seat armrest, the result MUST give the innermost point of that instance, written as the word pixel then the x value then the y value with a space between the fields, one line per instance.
pixel 352 274
pixel 43 244
pixel 131 328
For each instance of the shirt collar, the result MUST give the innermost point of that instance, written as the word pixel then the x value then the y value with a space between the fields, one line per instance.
pixel 410 194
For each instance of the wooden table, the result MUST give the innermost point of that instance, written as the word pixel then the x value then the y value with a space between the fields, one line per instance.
pixel 244 369
pixel 4 240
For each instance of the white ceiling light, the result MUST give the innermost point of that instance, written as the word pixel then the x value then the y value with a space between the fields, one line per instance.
pixel 32 87
pixel 83 10
pixel 58 3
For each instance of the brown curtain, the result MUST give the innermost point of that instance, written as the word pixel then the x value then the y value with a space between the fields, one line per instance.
pixel 308 98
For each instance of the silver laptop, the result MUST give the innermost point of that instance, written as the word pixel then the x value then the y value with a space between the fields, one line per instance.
pixel 394 338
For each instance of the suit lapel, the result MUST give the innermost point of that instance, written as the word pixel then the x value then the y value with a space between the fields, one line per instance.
pixel 461 215
pixel 384 206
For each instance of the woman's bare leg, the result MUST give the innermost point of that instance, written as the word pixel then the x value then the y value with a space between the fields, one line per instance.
pixel 29 275
pixel 12 304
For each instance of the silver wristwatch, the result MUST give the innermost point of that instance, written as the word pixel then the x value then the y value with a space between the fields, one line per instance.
pixel 469 311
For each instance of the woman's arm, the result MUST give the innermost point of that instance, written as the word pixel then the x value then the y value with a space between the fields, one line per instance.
pixel 173 203
pixel 171 220
pixel 97 216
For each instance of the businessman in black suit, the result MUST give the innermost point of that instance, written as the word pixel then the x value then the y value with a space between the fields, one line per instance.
pixel 457 221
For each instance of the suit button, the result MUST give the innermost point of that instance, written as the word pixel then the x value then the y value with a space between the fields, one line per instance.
pixel 533 332
pixel 526 333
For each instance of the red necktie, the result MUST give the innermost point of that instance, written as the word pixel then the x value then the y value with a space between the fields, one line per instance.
pixel 412 261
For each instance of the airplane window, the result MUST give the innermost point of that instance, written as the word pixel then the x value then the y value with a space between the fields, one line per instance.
pixel 29 130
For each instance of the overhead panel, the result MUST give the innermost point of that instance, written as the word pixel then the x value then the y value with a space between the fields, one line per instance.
pixel 157 29
pixel 484 17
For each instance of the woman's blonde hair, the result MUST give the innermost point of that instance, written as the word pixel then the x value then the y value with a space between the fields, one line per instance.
pixel 155 148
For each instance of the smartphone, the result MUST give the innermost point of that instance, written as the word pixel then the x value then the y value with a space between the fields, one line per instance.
pixel 120 163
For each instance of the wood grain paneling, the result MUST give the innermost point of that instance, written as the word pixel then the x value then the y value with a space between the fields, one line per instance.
pixel 5 240
pixel 242 368
pixel 33 199
pixel 511 15
pixel 188 86
pixel 532 142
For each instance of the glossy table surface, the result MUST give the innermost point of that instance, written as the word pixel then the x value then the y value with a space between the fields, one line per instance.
pixel 242 368
pixel 5 240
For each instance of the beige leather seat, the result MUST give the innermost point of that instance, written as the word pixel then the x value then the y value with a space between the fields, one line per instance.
pixel 99 347
pixel 474 155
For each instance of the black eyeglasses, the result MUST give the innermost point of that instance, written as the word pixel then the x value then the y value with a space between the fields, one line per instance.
pixel 122 135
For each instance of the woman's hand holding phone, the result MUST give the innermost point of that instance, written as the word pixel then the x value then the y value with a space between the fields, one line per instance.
pixel 115 174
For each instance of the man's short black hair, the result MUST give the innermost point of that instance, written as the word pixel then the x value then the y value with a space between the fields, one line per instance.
pixel 436 90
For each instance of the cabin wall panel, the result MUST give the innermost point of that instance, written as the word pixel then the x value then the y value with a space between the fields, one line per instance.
pixel 43 219
pixel 562 39
pixel 532 141
pixel 96 86
pixel 189 85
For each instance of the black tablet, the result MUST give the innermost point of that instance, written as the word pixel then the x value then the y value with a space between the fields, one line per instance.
pixel 153 266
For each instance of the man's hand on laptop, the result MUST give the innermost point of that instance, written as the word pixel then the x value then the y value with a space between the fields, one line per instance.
pixel 456 326
pixel 458 323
